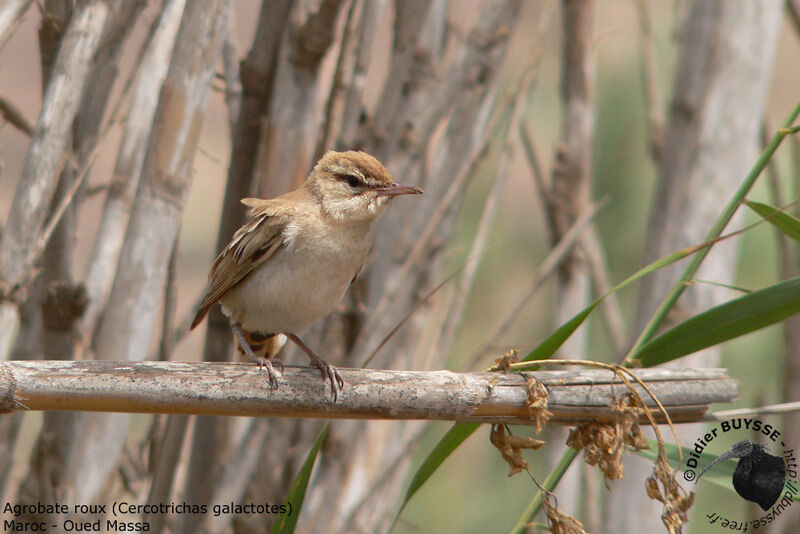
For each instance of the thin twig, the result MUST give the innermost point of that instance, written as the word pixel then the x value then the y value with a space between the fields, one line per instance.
pixel 410 312
pixel 793 8
pixel 466 172
pixel 528 146
pixel 15 9
pixel 547 267
pixel 539 180
pixel 14 116
pixel 167 343
pixel 611 309
pixel 456 309
pixel 746 412
pixel 455 312
pixel 181 326
pixel 652 97
pixel 66 200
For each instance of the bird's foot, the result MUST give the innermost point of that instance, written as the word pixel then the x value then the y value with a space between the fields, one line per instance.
pixel 266 363
pixel 262 361
pixel 329 372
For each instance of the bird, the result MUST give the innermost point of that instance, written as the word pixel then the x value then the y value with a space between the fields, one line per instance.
pixel 759 477
pixel 295 256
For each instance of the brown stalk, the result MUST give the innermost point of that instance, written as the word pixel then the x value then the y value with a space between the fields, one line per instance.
pixel 43 162
pixel 152 69
pixel 129 319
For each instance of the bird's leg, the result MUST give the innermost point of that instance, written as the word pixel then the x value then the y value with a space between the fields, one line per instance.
pixel 328 371
pixel 266 344
pixel 262 361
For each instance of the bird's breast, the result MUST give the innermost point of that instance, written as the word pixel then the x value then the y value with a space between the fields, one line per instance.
pixel 299 284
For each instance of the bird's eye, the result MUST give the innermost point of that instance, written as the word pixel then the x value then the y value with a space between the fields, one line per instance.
pixel 352 181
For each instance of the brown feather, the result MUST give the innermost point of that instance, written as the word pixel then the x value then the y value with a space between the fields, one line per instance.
pixel 253 244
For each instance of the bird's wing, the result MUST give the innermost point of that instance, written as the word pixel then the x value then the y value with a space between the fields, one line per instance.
pixel 252 245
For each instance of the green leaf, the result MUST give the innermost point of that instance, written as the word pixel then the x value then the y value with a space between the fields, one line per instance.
pixel 550 345
pixel 669 301
pixel 780 219
pixel 460 431
pixel 737 289
pixel 727 321
pixel 449 442
pixel 722 221
pixel 287 522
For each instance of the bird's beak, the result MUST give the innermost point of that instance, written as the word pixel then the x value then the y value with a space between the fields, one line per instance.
pixel 727 455
pixel 397 189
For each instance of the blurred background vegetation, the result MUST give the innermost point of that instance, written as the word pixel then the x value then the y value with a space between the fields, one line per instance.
pixel 623 172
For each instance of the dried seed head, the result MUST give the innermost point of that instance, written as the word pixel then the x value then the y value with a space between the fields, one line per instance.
pixel 511 446
pixel 509 357
pixel 537 402
pixel 603 444
pixel 662 486
pixel 560 522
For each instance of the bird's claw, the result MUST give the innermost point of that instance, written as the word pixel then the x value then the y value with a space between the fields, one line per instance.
pixel 262 361
pixel 273 375
pixel 330 372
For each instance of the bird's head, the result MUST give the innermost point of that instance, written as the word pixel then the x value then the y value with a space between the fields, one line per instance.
pixel 354 186
pixel 739 449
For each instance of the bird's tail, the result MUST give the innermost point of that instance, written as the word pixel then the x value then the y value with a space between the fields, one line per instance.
pixel 262 344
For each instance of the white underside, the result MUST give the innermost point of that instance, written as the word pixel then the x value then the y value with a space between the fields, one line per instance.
pixel 300 284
